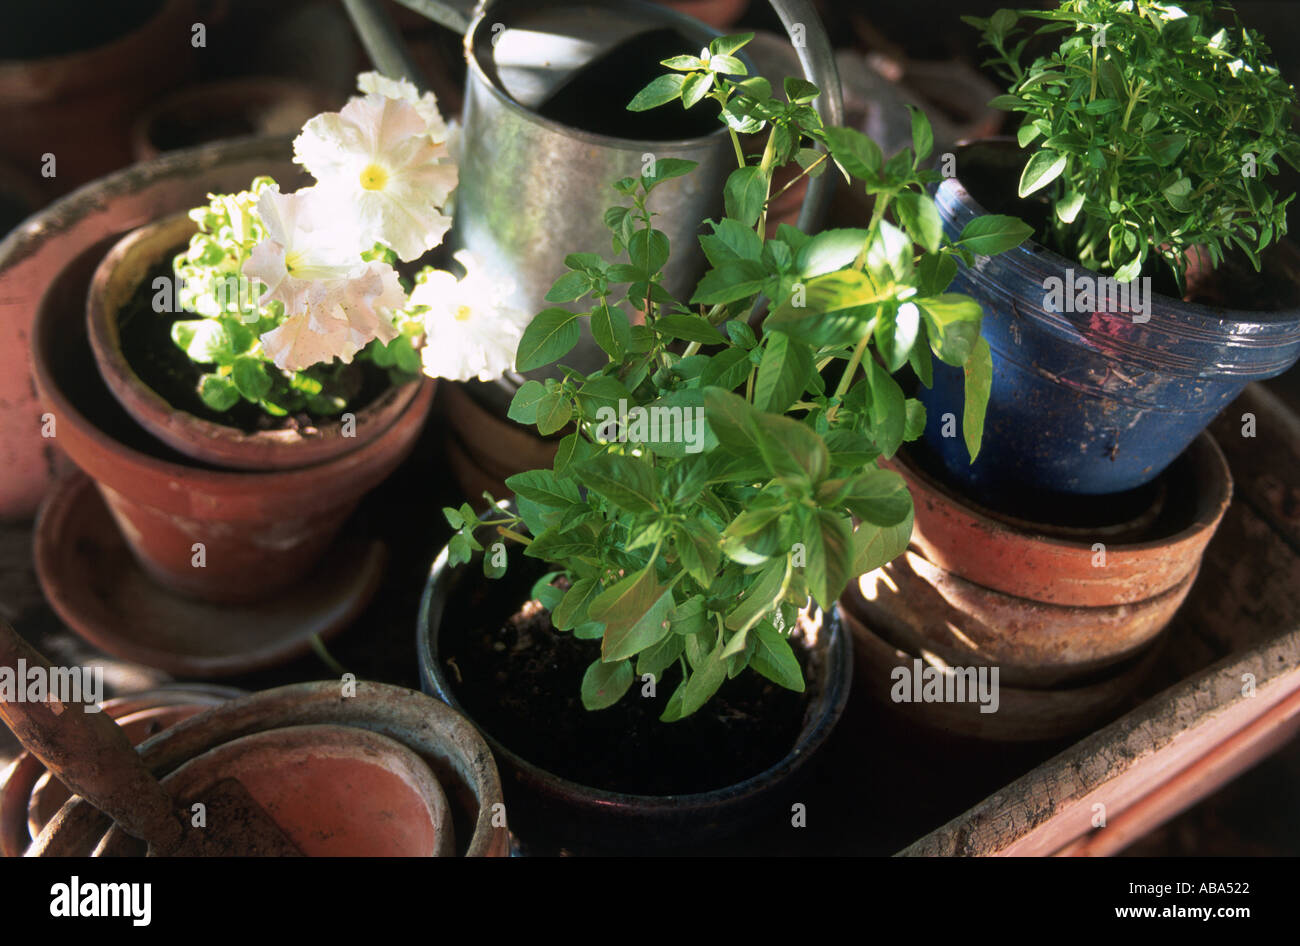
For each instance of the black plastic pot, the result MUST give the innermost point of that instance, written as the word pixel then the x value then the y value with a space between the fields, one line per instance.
pixel 548 812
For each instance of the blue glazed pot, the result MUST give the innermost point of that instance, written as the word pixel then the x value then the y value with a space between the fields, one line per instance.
pixel 1090 402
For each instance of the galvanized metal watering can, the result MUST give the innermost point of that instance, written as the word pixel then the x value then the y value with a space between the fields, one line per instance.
pixel 546 81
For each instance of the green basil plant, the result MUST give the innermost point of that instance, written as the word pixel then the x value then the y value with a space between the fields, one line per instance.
pixel 1153 127
pixel 721 467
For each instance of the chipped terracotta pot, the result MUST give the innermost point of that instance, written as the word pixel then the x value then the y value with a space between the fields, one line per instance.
pixel 963 538
pixel 30 796
pixel 49 259
pixel 260 531
pixel 336 791
pixel 116 281
pixel 444 741
pixel 1022 714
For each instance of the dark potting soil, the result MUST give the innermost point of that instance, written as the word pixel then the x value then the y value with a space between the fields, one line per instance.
pixel 595 97
pixel 990 172
pixel 157 360
pixel 519 680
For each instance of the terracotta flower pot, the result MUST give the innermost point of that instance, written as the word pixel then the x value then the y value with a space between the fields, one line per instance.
pixel 444 742
pixel 335 791
pixel 78 105
pixel 49 260
pixel 979 590
pixel 116 281
pixel 1022 714
pixel 484 449
pixel 257 532
pixel 229 108
pixel 969 541
pixel 30 796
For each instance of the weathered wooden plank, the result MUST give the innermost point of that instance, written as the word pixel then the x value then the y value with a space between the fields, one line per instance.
pixel 1225 761
pixel 1051 806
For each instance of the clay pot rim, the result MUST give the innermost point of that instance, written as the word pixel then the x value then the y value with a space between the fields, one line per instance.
pixel 94 58
pixel 378 707
pixel 1101 696
pixel 817 727
pixel 200 439
pixel 363 746
pixel 1088 687
pixel 289 481
pixel 1207 318
pixel 1210 472
pixel 26 770
pixel 260 90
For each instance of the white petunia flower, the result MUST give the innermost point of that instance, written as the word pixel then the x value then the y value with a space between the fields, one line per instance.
pixel 334 301
pixel 338 320
pixel 301 249
pixel 470 329
pixel 377 162
pixel 372 83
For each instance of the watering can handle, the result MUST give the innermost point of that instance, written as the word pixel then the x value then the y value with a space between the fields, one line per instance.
pixel 391 57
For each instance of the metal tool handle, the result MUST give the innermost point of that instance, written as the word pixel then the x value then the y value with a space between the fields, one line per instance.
pixel 812 45
pixel 88 752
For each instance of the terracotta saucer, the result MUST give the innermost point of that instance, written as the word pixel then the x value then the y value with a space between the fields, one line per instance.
pixel 95 585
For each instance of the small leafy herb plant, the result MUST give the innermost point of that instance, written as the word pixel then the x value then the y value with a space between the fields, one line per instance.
pixel 714 476
pixel 1152 128
pixel 224 336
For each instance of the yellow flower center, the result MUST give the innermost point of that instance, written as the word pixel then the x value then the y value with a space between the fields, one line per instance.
pixel 291 260
pixel 462 313
pixel 373 177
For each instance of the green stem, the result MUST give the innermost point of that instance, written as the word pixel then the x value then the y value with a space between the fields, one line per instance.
pixel 798 177
pixel 735 140
pixel 325 656
pixel 847 377
pixel 511 534
pixel 765 165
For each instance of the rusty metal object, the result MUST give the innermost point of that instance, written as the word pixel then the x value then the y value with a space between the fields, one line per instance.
pixel 1022 715
pixel 959 536
pixel 92 756
pixel 29 796
pixel 924 607
pixel 116 281
pixel 94 583
pixel 453 749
